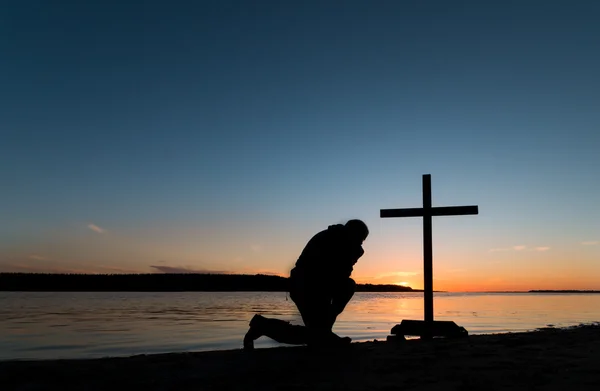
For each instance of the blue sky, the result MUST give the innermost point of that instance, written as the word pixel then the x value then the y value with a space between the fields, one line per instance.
pixel 220 135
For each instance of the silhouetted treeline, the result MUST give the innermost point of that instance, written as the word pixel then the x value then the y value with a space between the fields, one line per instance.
pixel 157 283
pixel 562 291
pixel 384 288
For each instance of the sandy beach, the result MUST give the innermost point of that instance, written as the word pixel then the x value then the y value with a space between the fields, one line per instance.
pixel 549 359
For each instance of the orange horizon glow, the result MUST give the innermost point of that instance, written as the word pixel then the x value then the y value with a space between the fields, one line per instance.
pixel 460 284
pixel 482 268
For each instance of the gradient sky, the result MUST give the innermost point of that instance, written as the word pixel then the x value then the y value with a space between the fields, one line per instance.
pixel 221 135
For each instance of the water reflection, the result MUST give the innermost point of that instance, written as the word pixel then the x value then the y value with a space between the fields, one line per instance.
pixel 65 325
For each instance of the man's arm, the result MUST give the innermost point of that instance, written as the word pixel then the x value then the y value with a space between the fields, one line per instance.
pixel 349 260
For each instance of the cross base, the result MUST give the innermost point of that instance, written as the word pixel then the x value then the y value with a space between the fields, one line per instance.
pixel 427 330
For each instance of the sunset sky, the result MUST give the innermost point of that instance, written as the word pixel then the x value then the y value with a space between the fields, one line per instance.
pixel 219 136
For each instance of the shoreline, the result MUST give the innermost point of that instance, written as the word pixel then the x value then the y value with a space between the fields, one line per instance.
pixel 551 358
pixel 549 327
pixel 239 346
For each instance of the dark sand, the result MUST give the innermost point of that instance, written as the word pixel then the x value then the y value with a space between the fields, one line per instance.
pixel 551 359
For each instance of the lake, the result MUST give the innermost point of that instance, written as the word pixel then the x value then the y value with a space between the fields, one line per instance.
pixel 49 325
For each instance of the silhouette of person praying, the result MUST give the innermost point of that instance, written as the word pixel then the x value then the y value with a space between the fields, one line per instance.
pixel 320 286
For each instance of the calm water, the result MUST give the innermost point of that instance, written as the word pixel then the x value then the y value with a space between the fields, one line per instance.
pixel 44 325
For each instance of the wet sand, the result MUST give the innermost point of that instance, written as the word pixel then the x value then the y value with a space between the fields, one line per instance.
pixel 551 359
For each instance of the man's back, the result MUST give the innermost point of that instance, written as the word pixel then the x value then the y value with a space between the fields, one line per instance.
pixel 329 255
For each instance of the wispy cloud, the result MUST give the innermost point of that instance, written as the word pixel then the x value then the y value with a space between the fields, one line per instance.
pixel 38 258
pixel 113 269
pixel 97 229
pixel 398 277
pixel 19 267
pixel 513 248
pixel 185 270
pixel 519 248
pixel 590 243
pixel 395 275
pixel 52 267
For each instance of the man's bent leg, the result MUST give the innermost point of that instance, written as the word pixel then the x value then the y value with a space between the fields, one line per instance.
pixel 277 329
pixel 316 311
pixel 342 295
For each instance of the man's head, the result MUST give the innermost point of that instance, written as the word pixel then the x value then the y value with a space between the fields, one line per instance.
pixel 357 230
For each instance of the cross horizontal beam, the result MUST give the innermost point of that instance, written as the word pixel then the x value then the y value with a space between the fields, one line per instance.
pixel 436 211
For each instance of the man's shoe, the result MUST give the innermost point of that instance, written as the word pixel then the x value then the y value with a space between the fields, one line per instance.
pixel 256 331
pixel 328 340
pixel 344 341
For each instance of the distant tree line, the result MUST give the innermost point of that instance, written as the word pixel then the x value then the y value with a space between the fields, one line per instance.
pixel 156 282
pixel 563 291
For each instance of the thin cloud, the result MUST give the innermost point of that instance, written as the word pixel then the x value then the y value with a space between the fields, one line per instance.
pixel 185 270
pixel 114 269
pixel 394 275
pixel 513 248
pixel 519 248
pixel 590 243
pixel 256 247
pixel 38 258
pixel 35 269
pixel 398 274
pixel 97 229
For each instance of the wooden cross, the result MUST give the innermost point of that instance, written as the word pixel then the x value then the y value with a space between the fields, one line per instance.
pixel 427 212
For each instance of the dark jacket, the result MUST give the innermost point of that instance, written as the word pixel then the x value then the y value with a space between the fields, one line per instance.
pixel 328 257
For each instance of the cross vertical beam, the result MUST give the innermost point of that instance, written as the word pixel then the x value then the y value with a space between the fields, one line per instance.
pixel 427 250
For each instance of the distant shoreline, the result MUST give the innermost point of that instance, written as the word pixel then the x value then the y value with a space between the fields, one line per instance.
pixel 160 282
pixel 191 282
pixel 563 291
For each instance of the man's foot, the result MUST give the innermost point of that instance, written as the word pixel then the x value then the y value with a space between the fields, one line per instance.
pixel 330 340
pixel 255 331
pixel 345 341
pixel 337 341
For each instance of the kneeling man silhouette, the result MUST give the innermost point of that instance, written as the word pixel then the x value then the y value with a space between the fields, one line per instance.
pixel 320 286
